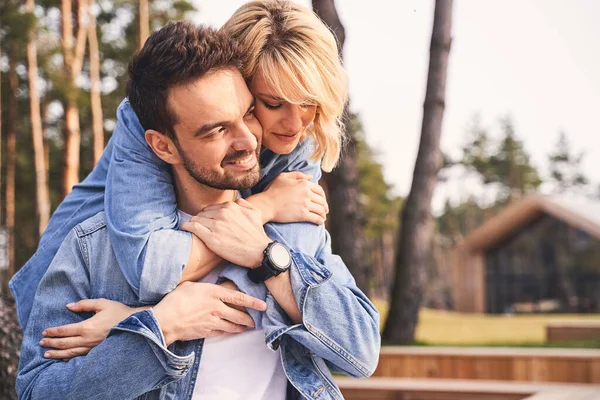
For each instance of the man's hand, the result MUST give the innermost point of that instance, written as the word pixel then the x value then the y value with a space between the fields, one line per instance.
pixel 199 310
pixel 233 231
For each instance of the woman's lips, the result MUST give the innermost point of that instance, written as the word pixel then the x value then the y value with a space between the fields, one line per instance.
pixel 285 137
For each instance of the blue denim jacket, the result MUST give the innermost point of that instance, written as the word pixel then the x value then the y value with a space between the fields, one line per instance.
pixel 339 329
pixel 141 213
pixel 337 316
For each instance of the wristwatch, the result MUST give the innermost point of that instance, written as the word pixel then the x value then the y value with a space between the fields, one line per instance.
pixel 277 259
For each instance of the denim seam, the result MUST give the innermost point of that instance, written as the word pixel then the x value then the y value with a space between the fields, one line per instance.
pixel 338 350
pixel 307 276
pixel 330 385
pixel 275 336
pixel 165 381
pixel 186 360
pixel 81 232
pixel 83 247
pixel 195 368
pixel 288 376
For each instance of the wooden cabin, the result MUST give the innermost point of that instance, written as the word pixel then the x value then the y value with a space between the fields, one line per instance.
pixel 539 254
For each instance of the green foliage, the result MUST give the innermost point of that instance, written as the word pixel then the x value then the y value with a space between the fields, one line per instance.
pixel 505 162
pixel 565 167
pixel 117 35
pixel 380 206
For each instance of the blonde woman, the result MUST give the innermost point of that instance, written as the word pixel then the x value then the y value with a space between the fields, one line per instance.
pixel 292 68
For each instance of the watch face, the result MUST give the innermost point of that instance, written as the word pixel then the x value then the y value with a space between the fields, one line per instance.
pixel 280 256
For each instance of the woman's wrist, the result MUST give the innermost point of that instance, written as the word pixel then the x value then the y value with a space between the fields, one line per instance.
pixel 265 205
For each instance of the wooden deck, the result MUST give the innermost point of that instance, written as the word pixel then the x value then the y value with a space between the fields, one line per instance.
pixel 447 389
pixel 572 330
pixel 491 363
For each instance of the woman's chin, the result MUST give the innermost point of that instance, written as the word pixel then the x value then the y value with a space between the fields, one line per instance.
pixel 278 146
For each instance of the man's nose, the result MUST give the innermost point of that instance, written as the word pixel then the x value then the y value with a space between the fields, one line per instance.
pixel 292 121
pixel 244 139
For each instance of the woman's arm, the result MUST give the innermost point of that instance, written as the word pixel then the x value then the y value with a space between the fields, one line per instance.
pixel 141 212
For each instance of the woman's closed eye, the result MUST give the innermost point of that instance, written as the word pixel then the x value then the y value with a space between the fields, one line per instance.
pixel 272 106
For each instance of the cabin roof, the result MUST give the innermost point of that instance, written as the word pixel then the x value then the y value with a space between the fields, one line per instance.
pixel 580 212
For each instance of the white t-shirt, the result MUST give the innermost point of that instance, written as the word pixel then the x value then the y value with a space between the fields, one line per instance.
pixel 238 366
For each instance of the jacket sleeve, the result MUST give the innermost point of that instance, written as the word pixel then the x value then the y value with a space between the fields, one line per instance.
pixel 131 361
pixel 339 322
pixel 141 213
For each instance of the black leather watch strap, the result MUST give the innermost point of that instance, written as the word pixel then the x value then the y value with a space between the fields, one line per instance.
pixel 260 274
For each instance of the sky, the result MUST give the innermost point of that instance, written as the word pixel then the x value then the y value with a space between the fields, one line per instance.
pixel 537 61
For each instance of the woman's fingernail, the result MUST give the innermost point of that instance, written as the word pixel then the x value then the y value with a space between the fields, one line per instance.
pixel 70 305
pixel 47 354
pixel 44 333
pixel 42 342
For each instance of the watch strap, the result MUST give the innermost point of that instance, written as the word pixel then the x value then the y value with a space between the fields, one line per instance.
pixel 260 274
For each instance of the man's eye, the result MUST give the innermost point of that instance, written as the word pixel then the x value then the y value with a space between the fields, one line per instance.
pixel 215 132
pixel 250 114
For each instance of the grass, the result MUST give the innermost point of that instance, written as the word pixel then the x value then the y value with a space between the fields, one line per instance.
pixel 441 328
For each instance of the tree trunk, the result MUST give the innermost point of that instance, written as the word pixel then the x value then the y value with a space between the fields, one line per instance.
pixel 74 50
pixel 37 134
pixel 10 345
pixel 144 20
pixel 414 242
pixel 11 148
pixel 3 272
pixel 97 120
pixel 345 217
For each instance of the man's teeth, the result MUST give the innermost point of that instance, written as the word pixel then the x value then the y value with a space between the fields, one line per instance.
pixel 243 160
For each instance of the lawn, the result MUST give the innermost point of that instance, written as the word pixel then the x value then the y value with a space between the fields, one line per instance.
pixel 451 328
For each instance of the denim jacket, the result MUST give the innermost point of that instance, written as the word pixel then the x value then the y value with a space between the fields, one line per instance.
pixel 339 329
pixel 134 187
pixel 337 315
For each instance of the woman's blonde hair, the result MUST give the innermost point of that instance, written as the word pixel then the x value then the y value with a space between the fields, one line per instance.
pixel 298 57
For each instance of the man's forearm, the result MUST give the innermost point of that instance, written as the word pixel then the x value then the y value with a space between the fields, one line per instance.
pixel 281 288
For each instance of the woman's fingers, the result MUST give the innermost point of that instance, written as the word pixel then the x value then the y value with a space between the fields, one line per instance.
pixel 87 305
pixel 65 330
pixel 318 209
pixel 65 343
pixel 67 354
pixel 296 175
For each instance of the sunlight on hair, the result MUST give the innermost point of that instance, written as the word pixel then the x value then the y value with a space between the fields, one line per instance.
pixel 298 57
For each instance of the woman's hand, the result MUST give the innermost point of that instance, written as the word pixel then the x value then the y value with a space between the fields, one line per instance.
pixel 78 339
pixel 292 197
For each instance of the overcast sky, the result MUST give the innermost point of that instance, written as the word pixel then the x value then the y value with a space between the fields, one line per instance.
pixel 535 60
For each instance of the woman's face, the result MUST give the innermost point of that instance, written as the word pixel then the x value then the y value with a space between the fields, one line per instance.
pixel 284 124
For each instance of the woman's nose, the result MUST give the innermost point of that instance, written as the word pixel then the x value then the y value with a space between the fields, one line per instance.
pixel 292 121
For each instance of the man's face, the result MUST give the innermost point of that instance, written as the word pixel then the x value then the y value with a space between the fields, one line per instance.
pixel 218 137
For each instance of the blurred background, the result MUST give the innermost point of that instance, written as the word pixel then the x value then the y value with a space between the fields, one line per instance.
pixel 492 244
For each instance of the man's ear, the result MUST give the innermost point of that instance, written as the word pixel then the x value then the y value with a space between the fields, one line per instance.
pixel 163 146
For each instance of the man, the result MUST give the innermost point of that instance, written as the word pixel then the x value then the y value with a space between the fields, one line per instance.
pixel 315 317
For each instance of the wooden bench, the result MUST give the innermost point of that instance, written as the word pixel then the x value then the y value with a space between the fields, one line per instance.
pixel 454 389
pixel 572 330
pixel 491 363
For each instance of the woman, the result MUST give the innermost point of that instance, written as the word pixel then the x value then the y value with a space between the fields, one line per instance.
pixel 290 114
pixel 295 74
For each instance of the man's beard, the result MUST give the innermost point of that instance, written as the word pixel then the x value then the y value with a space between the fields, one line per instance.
pixel 224 181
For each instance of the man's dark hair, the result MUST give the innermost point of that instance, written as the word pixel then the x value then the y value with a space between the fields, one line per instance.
pixel 177 53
